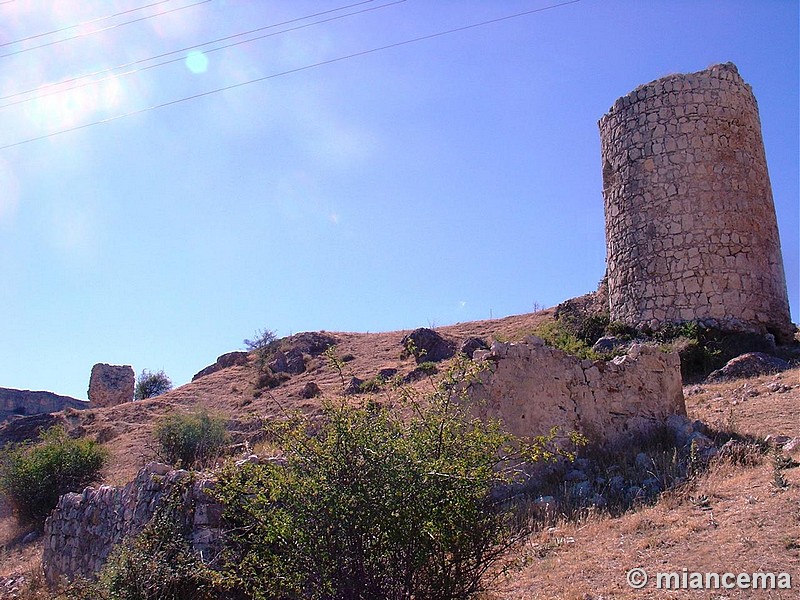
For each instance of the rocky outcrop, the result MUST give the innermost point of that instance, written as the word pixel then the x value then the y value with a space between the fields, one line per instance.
pixel 24 402
pixel 533 388
pixel 749 365
pixel 231 359
pixel 426 345
pixel 83 529
pixel 469 345
pixel 310 342
pixel 110 385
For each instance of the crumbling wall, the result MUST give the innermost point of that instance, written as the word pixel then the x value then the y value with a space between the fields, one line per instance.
pixel 110 385
pixel 83 529
pixel 533 387
pixel 691 230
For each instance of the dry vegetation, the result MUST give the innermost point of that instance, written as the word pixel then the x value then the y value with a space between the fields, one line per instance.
pixel 731 518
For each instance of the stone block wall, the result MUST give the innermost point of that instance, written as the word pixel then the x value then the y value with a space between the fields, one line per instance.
pixel 691 231
pixel 83 529
pixel 533 387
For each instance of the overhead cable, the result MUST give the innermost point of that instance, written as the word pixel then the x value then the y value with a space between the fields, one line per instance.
pixel 81 35
pixel 83 24
pixel 291 71
pixel 59 84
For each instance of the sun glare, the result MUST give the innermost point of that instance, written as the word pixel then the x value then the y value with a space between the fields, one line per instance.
pixel 197 62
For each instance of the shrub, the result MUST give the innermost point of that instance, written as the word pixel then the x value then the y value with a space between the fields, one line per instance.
pixel 428 367
pixel 371 505
pixel 150 384
pixel 34 476
pixel 191 439
pixel 555 334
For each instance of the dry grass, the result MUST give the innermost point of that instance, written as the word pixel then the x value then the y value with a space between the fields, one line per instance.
pixel 732 518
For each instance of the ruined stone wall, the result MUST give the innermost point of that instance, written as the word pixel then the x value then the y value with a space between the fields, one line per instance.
pixel 691 231
pixel 110 385
pixel 83 529
pixel 533 387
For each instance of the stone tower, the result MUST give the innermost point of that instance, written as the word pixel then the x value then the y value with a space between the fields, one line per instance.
pixel 691 232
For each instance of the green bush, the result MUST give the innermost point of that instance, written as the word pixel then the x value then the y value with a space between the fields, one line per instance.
pixel 34 476
pixel 191 439
pixel 150 384
pixel 372 505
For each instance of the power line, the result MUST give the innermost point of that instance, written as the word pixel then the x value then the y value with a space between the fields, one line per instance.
pixel 290 71
pixel 80 35
pixel 38 35
pixel 181 50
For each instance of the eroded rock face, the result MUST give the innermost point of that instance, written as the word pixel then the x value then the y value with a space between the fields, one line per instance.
pixel 110 385
pixel 23 403
pixel 533 388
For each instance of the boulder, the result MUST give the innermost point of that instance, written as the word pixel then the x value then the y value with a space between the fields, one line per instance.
pixel 749 365
pixel 310 342
pixel 110 385
pixel 607 343
pixel 291 361
pixel 387 374
pixel 469 345
pixel 427 345
pixel 295 362
pixel 310 390
pixel 354 386
pixel 231 359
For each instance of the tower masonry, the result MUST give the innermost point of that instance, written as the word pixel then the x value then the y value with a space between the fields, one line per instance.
pixel 691 231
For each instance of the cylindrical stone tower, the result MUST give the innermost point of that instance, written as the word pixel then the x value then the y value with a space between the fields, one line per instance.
pixel 691 232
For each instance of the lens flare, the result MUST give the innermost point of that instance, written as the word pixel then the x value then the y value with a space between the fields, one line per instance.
pixel 197 62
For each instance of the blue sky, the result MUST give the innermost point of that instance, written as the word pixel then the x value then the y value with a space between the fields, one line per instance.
pixel 435 182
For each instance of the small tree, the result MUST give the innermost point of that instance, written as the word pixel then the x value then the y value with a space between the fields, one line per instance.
pixel 150 384
pixel 191 439
pixel 263 344
pixel 34 476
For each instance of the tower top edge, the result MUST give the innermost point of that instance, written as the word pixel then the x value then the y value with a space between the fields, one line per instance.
pixel 725 71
